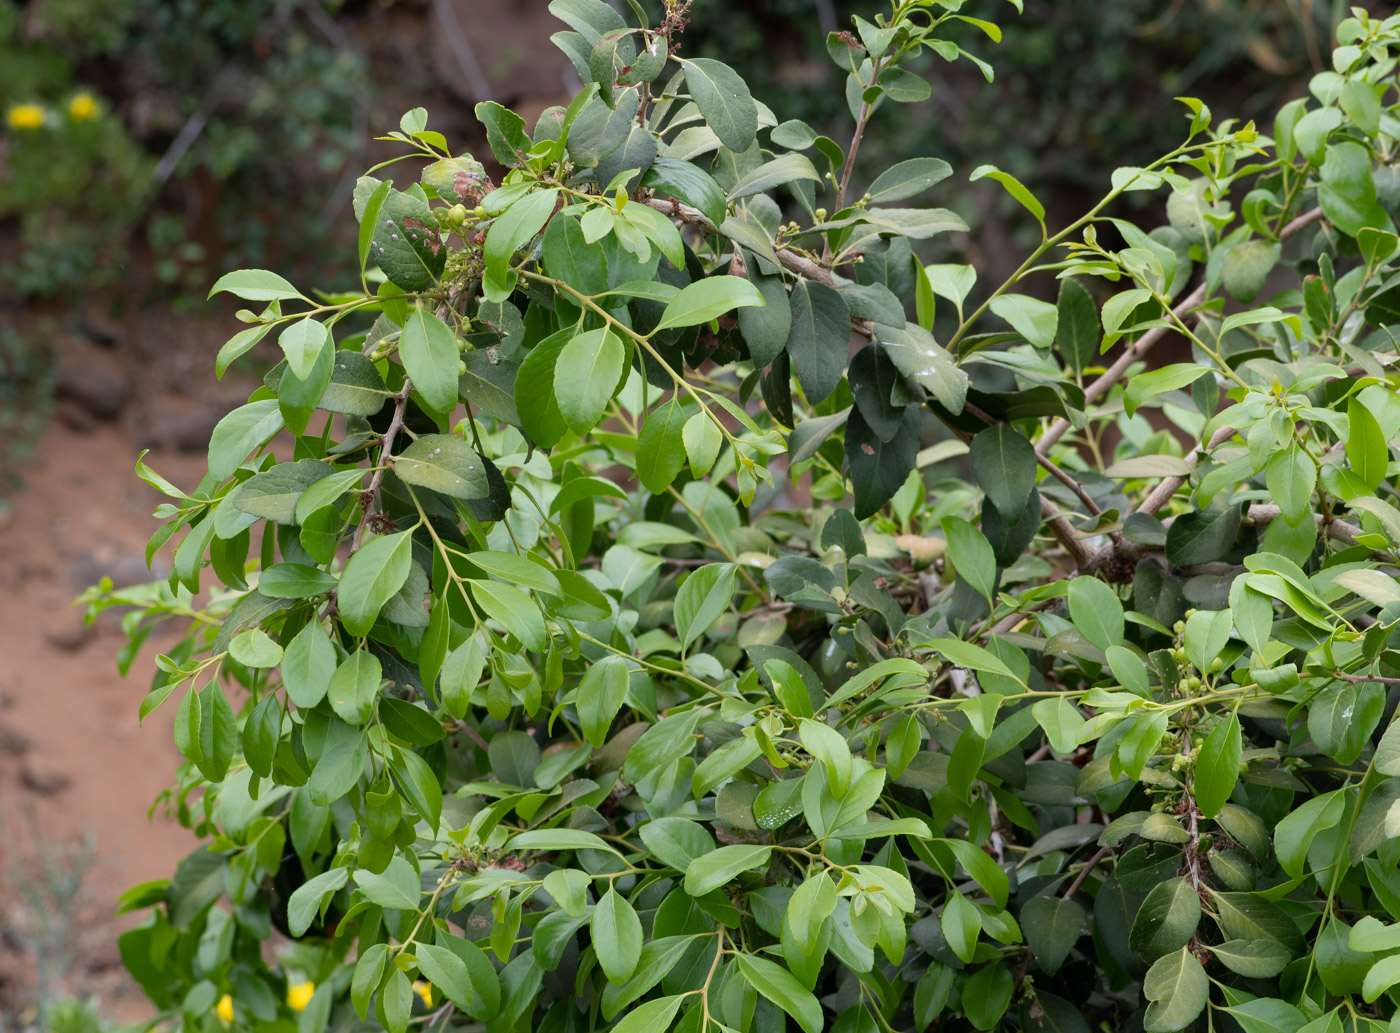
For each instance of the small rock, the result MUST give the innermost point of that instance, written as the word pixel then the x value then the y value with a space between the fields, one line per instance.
pixel 42 780
pixel 13 741
pixel 75 417
pixel 182 425
pixel 69 635
pixel 94 379
pixel 99 325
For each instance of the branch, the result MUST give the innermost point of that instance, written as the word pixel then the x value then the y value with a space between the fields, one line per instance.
pixel 789 260
pixel 1089 866
pixel 385 454
pixel 1138 349
pixel 1161 494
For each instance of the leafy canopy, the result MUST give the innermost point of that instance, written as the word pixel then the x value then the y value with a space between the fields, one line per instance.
pixel 525 682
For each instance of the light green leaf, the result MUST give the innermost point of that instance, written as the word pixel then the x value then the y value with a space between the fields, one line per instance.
pixel 617 936
pixel 428 349
pixel 373 576
pixel 706 299
pixel 703 596
pixel 718 868
pixel 1177 986
pixel 586 375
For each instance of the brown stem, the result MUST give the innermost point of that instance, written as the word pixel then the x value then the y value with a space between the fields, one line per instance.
pixel 385 457
pixel 1089 866
pixel 1161 494
pixel 1069 482
pixel 1357 678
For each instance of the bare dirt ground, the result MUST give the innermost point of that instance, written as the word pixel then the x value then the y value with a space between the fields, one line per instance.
pixel 77 772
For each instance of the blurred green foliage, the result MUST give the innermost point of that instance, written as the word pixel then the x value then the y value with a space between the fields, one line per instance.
pixel 163 122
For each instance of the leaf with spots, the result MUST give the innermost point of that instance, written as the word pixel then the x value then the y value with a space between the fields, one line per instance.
pixel 444 464
pixel 406 244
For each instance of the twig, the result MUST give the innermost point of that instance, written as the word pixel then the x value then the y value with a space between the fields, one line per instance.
pixel 1355 679
pixel 385 455
pixel 1069 482
pixel 1161 494
pixel 1089 866
pixel 789 260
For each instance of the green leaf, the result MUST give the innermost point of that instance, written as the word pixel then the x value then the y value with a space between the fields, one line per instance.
pixel 1167 919
pixel 1365 445
pixel 601 693
pixel 1295 833
pixel 373 576
pixel 586 374
pixel 448 975
pixel 1256 959
pixel 831 748
pixel 307 665
pixel 1202 537
pixel 724 100
pixel 1016 189
pixel 702 598
pixel 781 171
pixel 302 343
pixel 1077 326
pixel 246 428
pixel 514 609
pixel 261 733
pixel 1246 266
pixel 354 685
pixel 1052 926
pixel 443 463
pixel 326 492
pixel 428 349
pixel 718 868
pixel 239 345
pixel 702 440
pixel 369 967
pixel 1061 721
pixel 676 842
pixel 1384 974
pixel 1347 193
pixel 1178 988
pixel 706 299
pixel 341 763
pixel 406 244
pixel 617 936
pixel 661 447
pixel 808 909
pixel 651 1017
pixel 397 888
pixel 511 230
pixel 1004 464
pixel 781 987
pixel 1096 611
pixel 1033 319
pixel 252 648
pixel 272 494
pixel 308 899
pixel 688 184
pixel 907 179
pixel 972 557
pixel 1217 767
pixel 570 257
pixel 255 285
pixel 294 581
pixel 218 733
pixel 1290 477
pixel 819 339
pixel 558 839
pixel 879 468
pixel 1157 381
pixel 960 924
pixel 505 130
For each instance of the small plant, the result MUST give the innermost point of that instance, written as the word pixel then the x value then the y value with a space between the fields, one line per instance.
pixel 526 695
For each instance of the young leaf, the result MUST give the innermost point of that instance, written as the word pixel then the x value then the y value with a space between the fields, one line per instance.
pixel 703 596
pixel 617 936
pixel 707 299
pixel 586 374
pixel 429 352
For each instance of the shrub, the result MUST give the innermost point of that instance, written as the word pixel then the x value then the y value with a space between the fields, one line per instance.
pixel 596 638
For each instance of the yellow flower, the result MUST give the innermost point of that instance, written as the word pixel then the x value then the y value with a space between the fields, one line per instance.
pixel 83 107
pixel 299 995
pixel 425 991
pixel 224 1009
pixel 25 116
